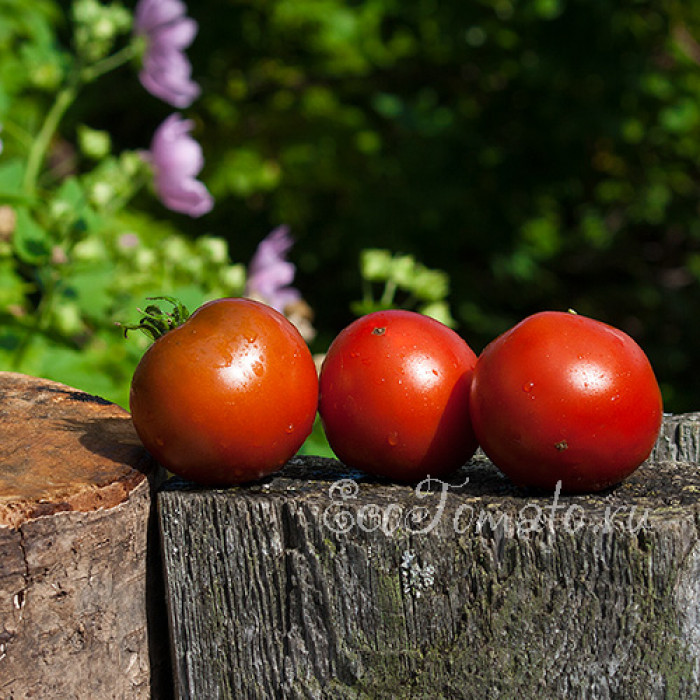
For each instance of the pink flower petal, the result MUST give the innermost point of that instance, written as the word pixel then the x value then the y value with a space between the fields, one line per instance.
pixel 176 35
pixel 185 196
pixel 176 159
pixel 150 14
pixel 270 274
pixel 166 71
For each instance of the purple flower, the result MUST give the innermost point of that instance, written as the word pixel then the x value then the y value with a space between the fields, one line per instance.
pixel 270 274
pixel 177 159
pixel 168 31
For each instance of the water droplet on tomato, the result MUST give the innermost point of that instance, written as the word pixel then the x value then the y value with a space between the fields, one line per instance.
pixel 528 387
pixel 289 429
pixel 258 369
pixel 393 438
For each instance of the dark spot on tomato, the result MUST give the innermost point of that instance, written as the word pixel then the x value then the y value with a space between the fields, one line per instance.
pixel 379 331
pixel 561 446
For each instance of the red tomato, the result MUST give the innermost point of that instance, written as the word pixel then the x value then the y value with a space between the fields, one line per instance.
pixel 561 397
pixel 394 396
pixel 229 396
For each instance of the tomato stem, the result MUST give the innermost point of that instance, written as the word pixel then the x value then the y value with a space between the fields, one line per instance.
pixel 155 322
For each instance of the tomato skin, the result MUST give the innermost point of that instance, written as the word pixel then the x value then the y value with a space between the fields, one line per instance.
pixel 227 397
pixel 394 396
pixel 562 397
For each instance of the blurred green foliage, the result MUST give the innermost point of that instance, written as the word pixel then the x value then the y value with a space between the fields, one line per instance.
pixel 540 154
pixel 543 153
pixel 74 256
pixel 404 283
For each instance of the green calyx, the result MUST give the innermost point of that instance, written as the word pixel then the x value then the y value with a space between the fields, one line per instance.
pixel 155 322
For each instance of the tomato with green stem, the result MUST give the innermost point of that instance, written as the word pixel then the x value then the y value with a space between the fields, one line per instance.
pixel 226 395
pixel 564 398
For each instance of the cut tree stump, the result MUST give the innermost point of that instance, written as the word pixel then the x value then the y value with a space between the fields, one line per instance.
pixel 81 614
pixel 323 583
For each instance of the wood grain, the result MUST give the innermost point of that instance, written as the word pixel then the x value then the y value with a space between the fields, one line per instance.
pixel 288 588
pixel 79 573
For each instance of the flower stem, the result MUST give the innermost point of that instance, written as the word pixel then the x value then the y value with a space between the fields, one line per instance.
pixel 64 99
pixel 119 58
pixel 389 292
pixel 37 153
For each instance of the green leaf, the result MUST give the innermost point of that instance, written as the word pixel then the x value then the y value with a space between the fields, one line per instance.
pixel 440 311
pixel 403 270
pixel 91 289
pixel 548 9
pixel 430 285
pixel 10 338
pixel 542 235
pixel 72 193
pixel 245 172
pixel 11 178
pixel 31 241
pixel 375 264
pixel 70 209
pixel 43 64
pixel 682 117
pixel 12 287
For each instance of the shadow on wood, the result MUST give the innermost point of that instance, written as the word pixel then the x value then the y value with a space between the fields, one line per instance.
pixel 319 583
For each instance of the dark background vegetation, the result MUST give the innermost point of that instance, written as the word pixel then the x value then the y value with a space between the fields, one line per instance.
pixel 542 152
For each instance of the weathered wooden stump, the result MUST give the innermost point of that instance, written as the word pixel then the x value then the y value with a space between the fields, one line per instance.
pixel 319 583
pixel 79 573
